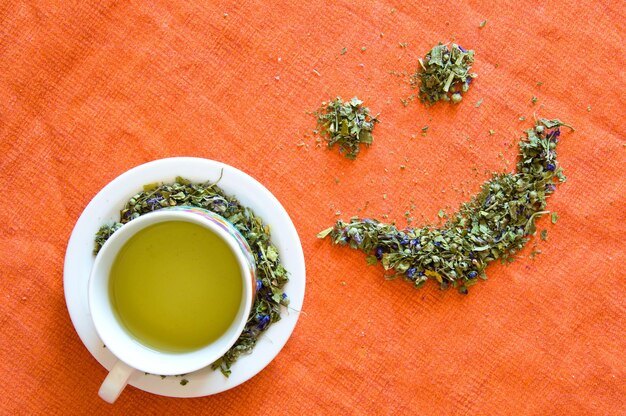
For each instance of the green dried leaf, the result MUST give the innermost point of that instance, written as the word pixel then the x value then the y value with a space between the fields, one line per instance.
pixel 271 253
pixel 150 186
pixel 103 235
pixel 325 233
pixel 436 55
pixel 552 124
pixel 555 217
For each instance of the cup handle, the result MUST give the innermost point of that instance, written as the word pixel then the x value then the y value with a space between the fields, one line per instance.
pixel 115 381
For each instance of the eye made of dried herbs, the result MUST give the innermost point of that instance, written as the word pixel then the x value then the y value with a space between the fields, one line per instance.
pixel 347 125
pixel 444 74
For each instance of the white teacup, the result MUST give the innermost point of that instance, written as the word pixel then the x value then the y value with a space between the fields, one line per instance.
pixel 132 354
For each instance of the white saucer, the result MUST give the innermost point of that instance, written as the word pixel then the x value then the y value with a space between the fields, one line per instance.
pixel 105 208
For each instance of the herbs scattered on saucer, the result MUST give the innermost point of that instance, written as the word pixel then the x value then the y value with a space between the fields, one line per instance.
pixel 271 275
pixel 495 224
pixel 444 74
pixel 346 124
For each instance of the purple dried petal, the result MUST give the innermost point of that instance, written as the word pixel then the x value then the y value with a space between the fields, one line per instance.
pixel 264 320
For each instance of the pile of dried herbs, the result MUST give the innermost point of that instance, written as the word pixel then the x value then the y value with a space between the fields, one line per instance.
pixel 346 124
pixel 271 275
pixel 444 74
pixel 495 224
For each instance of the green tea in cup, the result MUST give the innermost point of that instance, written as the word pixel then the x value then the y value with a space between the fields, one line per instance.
pixel 170 293
pixel 175 286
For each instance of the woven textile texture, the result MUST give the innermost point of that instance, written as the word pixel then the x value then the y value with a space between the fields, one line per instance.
pixel 90 89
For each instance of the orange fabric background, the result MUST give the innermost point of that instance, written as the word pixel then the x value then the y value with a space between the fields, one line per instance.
pixel 91 89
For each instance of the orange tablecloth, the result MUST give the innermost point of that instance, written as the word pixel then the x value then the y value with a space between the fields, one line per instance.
pixel 91 89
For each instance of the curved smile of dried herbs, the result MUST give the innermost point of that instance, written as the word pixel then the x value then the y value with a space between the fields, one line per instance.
pixel 494 224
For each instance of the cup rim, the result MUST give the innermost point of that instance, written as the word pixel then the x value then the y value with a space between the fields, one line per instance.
pixel 127 348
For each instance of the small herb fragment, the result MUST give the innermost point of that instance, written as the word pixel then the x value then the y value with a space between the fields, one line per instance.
pixel 534 100
pixel 478 104
pixel 103 235
pixel 544 235
pixel 271 275
pixel 344 50
pixel 444 73
pixel 482 24
pixel 347 124
pixel 494 224
pixel 555 217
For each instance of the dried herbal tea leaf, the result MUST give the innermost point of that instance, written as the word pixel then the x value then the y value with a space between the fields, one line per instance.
pixel 555 217
pixel 103 235
pixel 444 74
pixel 494 224
pixel 271 275
pixel 346 124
